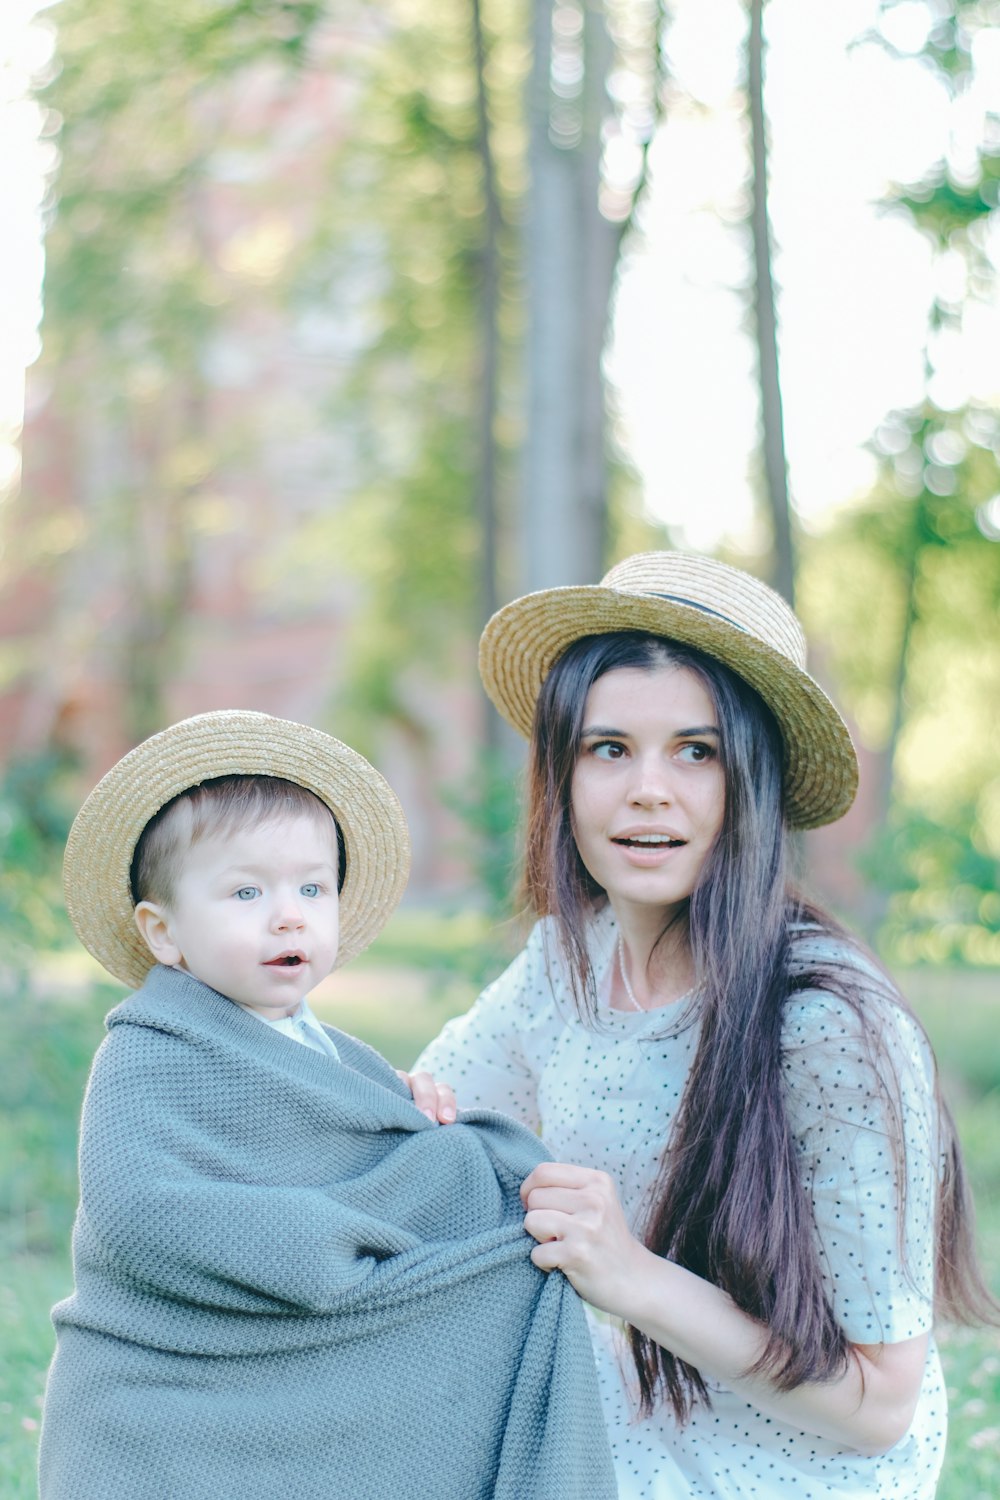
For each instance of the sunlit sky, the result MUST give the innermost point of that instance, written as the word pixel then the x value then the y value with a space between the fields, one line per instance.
pixel 854 282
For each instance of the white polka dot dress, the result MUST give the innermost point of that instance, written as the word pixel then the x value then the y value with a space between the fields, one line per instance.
pixel 606 1097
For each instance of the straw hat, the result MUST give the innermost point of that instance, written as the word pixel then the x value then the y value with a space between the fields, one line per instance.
pixel 233 742
pixel 720 610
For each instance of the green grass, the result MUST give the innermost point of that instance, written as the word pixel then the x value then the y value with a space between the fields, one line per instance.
pixel 28 1287
pixel 961 1011
pixel 424 969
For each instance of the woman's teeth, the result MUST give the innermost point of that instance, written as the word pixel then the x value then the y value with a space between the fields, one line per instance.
pixel 651 841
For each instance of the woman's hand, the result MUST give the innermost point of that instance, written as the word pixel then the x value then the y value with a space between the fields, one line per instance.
pixel 435 1100
pixel 575 1215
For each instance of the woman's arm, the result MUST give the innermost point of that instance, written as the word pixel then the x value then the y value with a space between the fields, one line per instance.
pixel 574 1214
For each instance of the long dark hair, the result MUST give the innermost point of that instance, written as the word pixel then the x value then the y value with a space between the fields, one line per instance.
pixel 729 1203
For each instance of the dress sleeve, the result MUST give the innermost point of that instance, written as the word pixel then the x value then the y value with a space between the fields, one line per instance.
pixel 874 1207
pixel 493 1054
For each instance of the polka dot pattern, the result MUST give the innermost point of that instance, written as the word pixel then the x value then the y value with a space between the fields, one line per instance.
pixel 606 1096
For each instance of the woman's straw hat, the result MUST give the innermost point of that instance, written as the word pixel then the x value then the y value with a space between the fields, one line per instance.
pixel 720 610
pixel 233 742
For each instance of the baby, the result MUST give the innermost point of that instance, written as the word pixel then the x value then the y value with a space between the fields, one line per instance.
pixel 285 1276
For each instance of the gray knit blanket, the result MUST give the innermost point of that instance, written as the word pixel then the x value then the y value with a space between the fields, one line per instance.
pixel 290 1284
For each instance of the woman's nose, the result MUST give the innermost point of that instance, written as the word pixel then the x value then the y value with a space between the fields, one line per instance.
pixel 650 785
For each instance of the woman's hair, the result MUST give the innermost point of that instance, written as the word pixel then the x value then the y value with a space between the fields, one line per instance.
pixel 729 1203
pixel 220 805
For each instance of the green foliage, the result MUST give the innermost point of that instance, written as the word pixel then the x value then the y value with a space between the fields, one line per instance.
pixel 140 100
pixel 489 805
pixel 952 26
pixel 906 590
pixel 944 881
pixel 971 1362
pixel 34 821
pixel 452 954
pixel 910 570
pixel 952 203
pixel 390 533
pixel 946 207
pixel 29 1285
pixel 406 232
pixel 47 1048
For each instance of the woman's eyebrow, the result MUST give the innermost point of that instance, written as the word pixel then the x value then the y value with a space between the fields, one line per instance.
pixel 606 732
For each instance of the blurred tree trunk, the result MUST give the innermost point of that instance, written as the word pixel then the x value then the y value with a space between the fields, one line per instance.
pixel 876 894
pixel 601 241
pixel 155 527
pixel 772 419
pixel 569 262
pixel 489 296
pixel 908 562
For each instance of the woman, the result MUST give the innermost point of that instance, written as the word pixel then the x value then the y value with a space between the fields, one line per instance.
pixel 755 1179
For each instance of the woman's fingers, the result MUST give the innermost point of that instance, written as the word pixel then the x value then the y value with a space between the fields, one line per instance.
pixel 585 1200
pixel 544 1226
pixel 574 1215
pixel 433 1099
pixel 561 1174
pixel 548 1256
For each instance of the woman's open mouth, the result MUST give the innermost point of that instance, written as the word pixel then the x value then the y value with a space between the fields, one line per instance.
pixel 649 841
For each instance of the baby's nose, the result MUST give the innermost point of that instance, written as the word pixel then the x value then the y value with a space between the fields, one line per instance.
pixel 288 913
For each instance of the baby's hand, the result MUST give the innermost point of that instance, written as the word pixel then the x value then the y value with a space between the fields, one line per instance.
pixel 435 1100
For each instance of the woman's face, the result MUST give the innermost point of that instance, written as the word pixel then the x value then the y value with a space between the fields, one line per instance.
pixel 648 791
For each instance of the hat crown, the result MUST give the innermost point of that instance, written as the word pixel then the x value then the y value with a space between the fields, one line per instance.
pixel 718 590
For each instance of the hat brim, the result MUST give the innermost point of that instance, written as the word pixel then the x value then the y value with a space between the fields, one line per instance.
pixel 238 742
pixel 522 642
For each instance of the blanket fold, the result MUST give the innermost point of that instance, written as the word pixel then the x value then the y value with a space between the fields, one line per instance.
pixel 290 1283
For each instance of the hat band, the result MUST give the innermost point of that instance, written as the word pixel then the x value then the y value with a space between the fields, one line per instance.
pixel 693 604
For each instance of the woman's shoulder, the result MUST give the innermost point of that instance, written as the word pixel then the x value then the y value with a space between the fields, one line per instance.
pixel 834 977
pixel 846 1017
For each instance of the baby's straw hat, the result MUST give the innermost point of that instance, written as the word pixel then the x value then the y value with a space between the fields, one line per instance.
pixel 232 742
pixel 720 610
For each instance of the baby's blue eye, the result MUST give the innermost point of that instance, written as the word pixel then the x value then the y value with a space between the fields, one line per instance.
pixel 310 889
pixel 246 893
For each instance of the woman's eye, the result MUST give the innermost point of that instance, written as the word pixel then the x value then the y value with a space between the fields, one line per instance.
pixel 696 752
pixel 246 893
pixel 310 889
pixel 608 750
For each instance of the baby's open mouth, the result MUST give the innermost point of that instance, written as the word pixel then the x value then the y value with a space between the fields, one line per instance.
pixel 286 961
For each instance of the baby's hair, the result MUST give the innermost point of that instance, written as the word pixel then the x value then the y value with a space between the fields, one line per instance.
pixel 218 806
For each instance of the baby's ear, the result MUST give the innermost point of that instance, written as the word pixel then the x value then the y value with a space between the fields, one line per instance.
pixel 153 923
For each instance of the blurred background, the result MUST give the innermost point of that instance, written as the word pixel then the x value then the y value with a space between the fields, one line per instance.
pixel 327 327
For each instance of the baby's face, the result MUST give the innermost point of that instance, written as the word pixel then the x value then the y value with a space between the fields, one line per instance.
pixel 255 913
